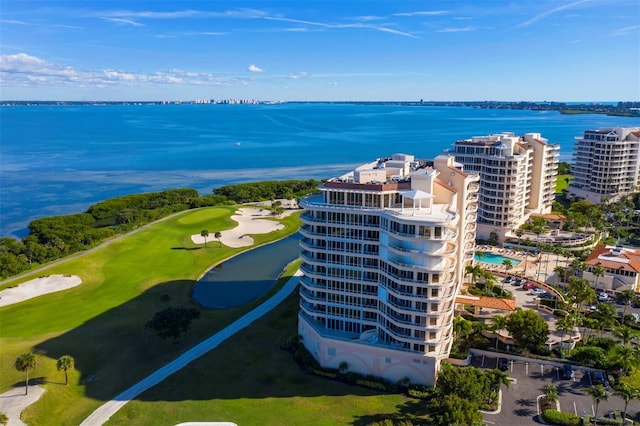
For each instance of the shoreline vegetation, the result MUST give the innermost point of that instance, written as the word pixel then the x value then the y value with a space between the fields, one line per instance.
pixel 620 109
pixel 56 237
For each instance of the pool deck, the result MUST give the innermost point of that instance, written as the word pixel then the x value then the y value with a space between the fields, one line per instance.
pixel 535 266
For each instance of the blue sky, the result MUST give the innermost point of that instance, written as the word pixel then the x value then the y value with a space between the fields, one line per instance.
pixel 584 50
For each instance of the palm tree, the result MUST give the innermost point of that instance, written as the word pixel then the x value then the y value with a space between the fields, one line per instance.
pixel 343 367
pixel 508 264
pixel 626 356
pixel 499 322
pixel 560 273
pixel 489 280
pixel 4 420
pixel 565 325
pixel 597 271
pixel 627 394
pixel 218 235
pixel 25 362
pixel 625 333
pixel 606 316
pixel 627 297
pixel 65 363
pixel 204 234
pixel 462 327
pixel 598 394
pixel 475 271
pixel 551 393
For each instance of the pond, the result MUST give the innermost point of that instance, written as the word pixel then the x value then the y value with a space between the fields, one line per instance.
pixel 494 258
pixel 246 277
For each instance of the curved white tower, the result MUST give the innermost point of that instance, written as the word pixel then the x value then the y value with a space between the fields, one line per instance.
pixel 384 249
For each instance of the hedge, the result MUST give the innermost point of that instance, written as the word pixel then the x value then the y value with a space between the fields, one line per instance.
pixel 560 418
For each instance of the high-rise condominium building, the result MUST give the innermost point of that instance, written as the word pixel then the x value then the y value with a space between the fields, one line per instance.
pixel 384 249
pixel 517 178
pixel 605 164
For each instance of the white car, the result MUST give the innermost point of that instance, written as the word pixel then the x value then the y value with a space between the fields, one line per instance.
pixel 603 297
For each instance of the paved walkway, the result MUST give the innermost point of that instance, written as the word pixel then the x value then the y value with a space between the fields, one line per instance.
pixel 13 401
pixel 108 409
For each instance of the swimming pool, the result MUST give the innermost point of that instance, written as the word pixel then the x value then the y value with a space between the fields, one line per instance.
pixel 494 259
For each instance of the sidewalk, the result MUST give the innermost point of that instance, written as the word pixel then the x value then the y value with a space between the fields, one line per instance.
pixel 108 409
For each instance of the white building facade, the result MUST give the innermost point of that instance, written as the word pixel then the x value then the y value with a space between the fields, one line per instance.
pixel 384 250
pixel 605 164
pixel 517 178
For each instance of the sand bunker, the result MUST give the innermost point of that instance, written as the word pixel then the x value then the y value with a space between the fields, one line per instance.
pixel 37 287
pixel 250 221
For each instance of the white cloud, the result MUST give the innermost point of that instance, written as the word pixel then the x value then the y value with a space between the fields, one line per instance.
pixel 254 68
pixel 122 21
pixel 549 12
pixel 623 31
pixel 298 75
pixel 23 70
pixel 456 30
pixel 12 22
pixel 423 13
pixel 342 26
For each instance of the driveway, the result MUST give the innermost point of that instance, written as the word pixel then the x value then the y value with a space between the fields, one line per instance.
pixel 529 377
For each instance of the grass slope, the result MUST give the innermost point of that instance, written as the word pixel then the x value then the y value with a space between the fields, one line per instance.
pixel 249 380
pixel 101 322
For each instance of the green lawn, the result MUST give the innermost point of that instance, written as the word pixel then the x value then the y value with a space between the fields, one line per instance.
pixel 249 380
pixel 101 322
pixel 562 183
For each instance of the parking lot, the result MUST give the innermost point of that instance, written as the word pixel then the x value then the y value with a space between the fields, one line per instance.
pixel 529 377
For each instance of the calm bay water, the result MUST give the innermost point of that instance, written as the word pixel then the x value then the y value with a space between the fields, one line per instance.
pixel 61 159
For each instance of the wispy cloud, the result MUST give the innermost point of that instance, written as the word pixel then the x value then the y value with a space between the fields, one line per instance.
pixel 23 70
pixel 623 31
pixel 254 68
pixel 122 21
pixel 550 12
pixel 181 14
pixel 342 26
pixel 12 22
pixel 423 13
pixel 298 75
pixel 456 30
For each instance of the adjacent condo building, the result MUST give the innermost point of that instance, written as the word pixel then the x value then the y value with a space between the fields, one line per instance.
pixel 517 179
pixel 384 249
pixel 605 164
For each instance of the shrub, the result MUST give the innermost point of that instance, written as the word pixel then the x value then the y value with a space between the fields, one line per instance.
pixel 421 392
pixel 556 417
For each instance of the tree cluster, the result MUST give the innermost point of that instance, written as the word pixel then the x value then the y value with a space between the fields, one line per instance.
pixel 172 322
pixel 268 190
pixel 54 237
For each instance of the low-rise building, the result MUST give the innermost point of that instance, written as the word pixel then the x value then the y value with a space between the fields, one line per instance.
pixel 620 268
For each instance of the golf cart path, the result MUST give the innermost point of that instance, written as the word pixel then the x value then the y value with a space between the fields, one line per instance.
pixel 108 409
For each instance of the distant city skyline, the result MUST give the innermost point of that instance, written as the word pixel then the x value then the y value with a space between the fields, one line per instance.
pixel 585 50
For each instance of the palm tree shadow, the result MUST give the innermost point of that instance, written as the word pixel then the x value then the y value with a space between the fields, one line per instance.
pixel 523 412
pixel 186 248
pixel 525 402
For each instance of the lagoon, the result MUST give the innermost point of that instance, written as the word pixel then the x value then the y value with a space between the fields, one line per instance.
pixel 246 277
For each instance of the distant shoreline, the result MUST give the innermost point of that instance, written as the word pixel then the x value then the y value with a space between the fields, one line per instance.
pixel 620 108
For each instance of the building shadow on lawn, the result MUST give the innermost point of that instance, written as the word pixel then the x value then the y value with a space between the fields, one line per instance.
pixel 407 412
pixel 114 351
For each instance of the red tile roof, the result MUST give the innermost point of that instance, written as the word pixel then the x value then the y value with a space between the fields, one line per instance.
pixel 489 302
pixel 603 256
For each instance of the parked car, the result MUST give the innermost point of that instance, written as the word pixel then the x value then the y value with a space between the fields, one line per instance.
pixel 503 364
pixel 508 279
pixel 597 377
pixel 528 286
pixel 538 291
pixel 546 295
pixel 567 372
pixel 520 281
pixel 603 297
